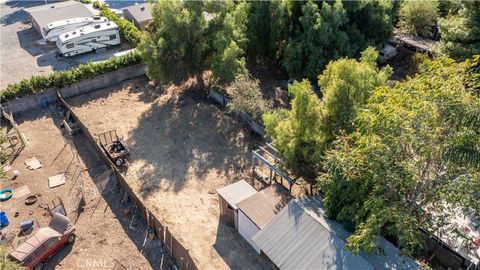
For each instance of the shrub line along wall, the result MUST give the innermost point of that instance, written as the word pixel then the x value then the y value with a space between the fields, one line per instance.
pixel 174 247
pixel 35 101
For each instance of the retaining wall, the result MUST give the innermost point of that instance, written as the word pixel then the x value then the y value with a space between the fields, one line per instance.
pixel 36 100
pixel 223 101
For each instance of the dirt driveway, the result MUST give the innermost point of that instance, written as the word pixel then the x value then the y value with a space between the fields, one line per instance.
pixel 181 152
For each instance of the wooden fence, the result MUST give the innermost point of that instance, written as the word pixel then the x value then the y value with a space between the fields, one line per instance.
pixel 9 118
pixel 176 250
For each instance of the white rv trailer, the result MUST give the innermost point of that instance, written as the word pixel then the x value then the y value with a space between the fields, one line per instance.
pixel 54 29
pixel 88 38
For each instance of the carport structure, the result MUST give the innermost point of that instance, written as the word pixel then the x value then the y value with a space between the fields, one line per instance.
pixel 40 16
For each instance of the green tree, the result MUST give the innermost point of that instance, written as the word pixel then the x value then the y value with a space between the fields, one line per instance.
pixel 346 86
pixel 413 160
pixel 180 43
pixel 418 17
pixel 247 96
pixel 370 23
pixel 295 132
pixel 460 31
pixel 268 29
pixel 304 133
pixel 321 40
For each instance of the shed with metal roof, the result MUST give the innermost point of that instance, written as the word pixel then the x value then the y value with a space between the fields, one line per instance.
pixel 229 196
pixel 259 209
pixel 300 237
pixel 41 16
pixel 140 15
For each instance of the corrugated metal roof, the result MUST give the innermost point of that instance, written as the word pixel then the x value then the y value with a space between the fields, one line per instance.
pixel 57 11
pixel 264 205
pixel 299 237
pixel 236 192
pixel 140 12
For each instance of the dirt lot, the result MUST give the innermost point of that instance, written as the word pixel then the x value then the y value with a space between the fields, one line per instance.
pixel 106 238
pixel 24 55
pixel 180 155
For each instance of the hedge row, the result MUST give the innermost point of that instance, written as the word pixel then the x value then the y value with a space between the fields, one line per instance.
pixel 37 84
pixel 128 31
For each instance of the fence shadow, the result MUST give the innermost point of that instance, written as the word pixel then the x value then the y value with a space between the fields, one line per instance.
pixel 88 148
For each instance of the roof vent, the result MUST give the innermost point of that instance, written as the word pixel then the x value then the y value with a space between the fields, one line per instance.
pixel 52 6
pixel 142 8
pixel 66 35
pixel 74 32
pixel 97 26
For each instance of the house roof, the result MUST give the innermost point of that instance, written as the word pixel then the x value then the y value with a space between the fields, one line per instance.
pixel 57 11
pixel 261 207
pixel 236 192
pixel 140 12
pixel 300 237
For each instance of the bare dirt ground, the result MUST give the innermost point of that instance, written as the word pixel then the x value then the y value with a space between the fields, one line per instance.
pixel 106 238
pixel 180 155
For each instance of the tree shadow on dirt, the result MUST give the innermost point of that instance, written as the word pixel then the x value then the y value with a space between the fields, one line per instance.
pixel 193 140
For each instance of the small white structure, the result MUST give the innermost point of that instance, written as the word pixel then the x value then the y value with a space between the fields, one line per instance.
pixel 388 52
pixel 54 29
pixel 229 196
pixel 88 38
pixel 258 210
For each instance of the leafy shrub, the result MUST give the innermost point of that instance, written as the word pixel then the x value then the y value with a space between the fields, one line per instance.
pixel 127 30
pixel 37 84
pixel 247 96
pixel 97 5
pixel 418 17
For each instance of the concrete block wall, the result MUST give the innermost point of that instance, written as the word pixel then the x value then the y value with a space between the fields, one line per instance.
pixel 35 101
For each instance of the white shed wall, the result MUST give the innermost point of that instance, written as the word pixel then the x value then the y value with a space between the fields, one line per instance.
pixel 247 229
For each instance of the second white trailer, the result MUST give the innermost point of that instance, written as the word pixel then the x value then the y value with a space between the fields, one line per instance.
pixel 88 38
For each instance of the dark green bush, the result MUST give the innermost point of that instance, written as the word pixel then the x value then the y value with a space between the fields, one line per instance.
pixel 37 84
pixel 128 31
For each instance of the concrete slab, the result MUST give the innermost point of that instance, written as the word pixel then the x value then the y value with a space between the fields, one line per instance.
pixel 56 180
pixel 33 163
pixel 21 192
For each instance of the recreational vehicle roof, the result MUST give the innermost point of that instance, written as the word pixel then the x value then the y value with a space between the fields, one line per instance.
pixel 42 15
pixel 54 24
pixel 87 30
